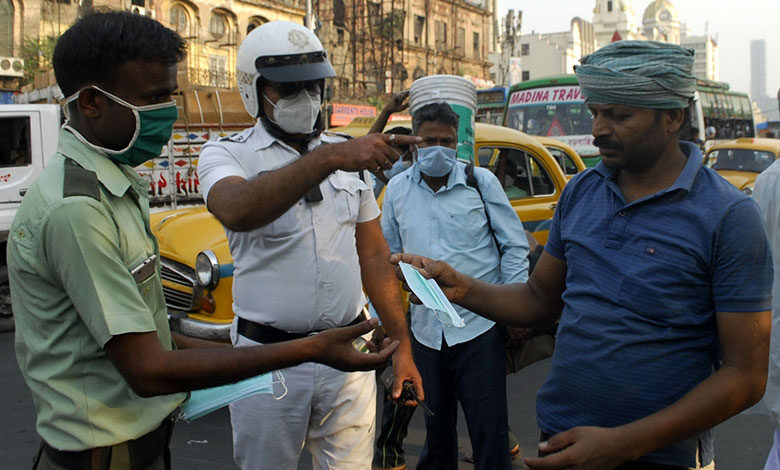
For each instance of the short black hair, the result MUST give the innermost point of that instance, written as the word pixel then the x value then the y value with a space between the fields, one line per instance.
pixel 435 112
pixel 101 41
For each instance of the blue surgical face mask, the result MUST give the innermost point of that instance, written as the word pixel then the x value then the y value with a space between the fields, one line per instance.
pixel 435 160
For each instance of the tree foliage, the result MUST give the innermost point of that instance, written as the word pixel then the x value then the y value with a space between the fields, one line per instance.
pixel 37 54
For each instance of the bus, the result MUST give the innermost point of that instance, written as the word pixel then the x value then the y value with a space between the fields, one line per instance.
pixel 491 104
pixel 721 113
pixel 769 129
pixel 553 107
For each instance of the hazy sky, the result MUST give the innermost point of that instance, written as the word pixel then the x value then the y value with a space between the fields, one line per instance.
pixel 735 23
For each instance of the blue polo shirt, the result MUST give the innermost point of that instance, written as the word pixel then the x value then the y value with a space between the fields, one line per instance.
pixel 643 283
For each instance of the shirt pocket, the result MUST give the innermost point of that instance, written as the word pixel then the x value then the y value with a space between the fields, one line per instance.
pixel 663 284
pixel 463 225
pixel 144 269
pixel 346 196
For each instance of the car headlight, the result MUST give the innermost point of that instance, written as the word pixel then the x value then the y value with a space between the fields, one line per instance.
pixel 207 269
pixel 747 190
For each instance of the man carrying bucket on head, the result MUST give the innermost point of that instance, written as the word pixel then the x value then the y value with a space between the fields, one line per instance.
pixel 432 208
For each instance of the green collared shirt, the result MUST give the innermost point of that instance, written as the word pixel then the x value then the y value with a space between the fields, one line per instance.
pixel 73 244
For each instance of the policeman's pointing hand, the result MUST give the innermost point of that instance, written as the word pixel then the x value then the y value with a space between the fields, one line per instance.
pixel 372 152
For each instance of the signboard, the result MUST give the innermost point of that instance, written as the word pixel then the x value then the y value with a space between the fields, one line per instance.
pixel 546 95
pixel 344 113
pixel 489 97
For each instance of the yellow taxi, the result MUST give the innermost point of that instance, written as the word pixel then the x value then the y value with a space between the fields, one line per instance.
pixel 741 160
pixel 568 159
pixel 197 267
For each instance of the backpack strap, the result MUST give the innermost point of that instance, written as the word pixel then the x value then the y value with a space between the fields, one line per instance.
pixel 472 182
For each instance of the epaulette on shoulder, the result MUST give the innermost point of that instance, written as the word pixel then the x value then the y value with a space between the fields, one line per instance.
pixel 238 136
pixel 79 181
pixel 338 134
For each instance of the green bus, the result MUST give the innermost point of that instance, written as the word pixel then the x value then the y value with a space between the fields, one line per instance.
pixel 553 107
pixel 722 113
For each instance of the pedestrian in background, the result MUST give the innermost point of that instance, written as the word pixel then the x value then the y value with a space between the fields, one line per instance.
pixel 454 211
pixel 766 193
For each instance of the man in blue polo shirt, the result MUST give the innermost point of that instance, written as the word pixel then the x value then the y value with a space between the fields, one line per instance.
pixel 660 272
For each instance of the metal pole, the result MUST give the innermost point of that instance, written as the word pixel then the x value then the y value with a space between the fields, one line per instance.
pixel 307 20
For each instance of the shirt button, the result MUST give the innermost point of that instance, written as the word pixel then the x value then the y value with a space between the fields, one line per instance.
pixel 622 213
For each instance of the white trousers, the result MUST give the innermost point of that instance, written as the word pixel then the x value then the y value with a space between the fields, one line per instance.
pixel 331 412
pixel 773 460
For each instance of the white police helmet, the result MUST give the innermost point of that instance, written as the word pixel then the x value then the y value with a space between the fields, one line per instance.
pixel 280 51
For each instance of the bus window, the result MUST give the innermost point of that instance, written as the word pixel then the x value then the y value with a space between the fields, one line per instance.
pixel 554 120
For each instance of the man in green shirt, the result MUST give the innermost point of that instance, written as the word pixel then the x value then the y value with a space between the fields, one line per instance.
pixel 92 339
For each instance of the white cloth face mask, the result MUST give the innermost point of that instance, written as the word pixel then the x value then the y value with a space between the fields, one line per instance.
pixel 296 115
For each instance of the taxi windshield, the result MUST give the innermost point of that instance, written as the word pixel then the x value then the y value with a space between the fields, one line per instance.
pixel 741 159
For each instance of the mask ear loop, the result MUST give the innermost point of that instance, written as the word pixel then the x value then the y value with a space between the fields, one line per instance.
pixel 280 381
pixel 116 99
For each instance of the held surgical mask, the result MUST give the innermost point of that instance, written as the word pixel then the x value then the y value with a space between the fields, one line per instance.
pixel 298 114
pixel 207 400
pixel 153 128
pixel 435 160
pixel 431 296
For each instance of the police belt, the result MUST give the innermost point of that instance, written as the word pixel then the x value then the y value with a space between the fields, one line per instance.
pixel 268 334
pixel 142 452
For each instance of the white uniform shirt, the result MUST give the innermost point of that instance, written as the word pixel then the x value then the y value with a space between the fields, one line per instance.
pixel 767 195
pixel 300 272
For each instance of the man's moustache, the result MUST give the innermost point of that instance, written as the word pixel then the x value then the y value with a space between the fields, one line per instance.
pixel 606 143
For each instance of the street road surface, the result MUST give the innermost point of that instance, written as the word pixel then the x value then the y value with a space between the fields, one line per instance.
pixel 742 443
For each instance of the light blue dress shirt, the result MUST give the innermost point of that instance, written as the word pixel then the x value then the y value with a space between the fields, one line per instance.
pixel 451 225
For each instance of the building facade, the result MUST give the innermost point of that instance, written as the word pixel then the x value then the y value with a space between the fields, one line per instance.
pixel 614 20
pixel 758 69
pixel 382 46
pixel 213 29
pixel 661 22
pixel 542 55
pixel 706 61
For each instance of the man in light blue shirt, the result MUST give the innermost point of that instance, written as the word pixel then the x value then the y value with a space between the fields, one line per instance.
pixel 430 209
